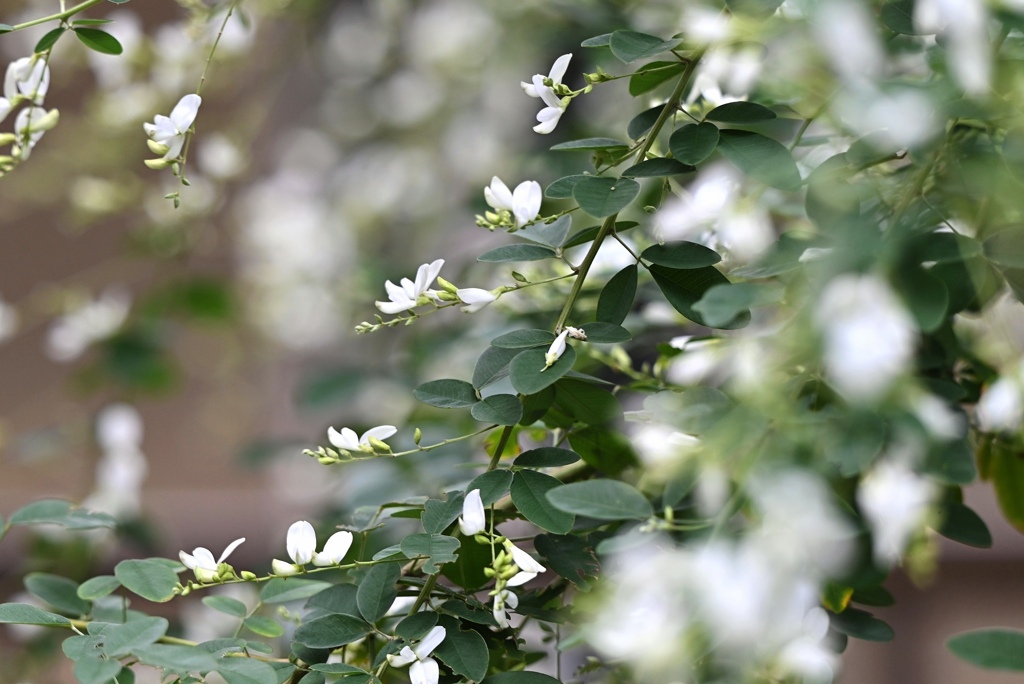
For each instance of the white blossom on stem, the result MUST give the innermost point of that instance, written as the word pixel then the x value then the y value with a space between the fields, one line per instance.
pixel 556 350
pixel 167 133
pixel 412 293
pixel 474 298
pixel 549 116
pixel 556 74
pixel 523 202
pixel 895 501
pixel 472 521
pixel 528 567
pixel 202 563
pixel 27 78
pixel 348 440
pixel 301 545
pixel 422 668
pixel 502 600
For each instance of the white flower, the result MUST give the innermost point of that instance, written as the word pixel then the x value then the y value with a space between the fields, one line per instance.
pixel 423 669
pixel 335 548
pixel 29 126
pixel 556 74
pixel 895 501
pixel 549 116
pixel 808 655
pixel 347 439
pixel 869 336
pixel 411 294
pixel 71 334
pixel 472 521
pixel 528 567
pixel 201 561
pixel 524 202
pixel 1001 407
pixel 474 298
pixel 301 542
pixel 26 78
pixel 170 131
pixel 301 545
pixel 556 350
pixel 503 599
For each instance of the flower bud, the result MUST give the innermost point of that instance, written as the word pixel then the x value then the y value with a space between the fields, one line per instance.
pixel 447 297
pixel 46 122
pixel 378 446
pixel 247 575
pixel 490 572
pixel 417 436
pixel 185 591
pixel 157 148
pixel 519 277
pixel 282 569
pixel 445 285
pixel 7 138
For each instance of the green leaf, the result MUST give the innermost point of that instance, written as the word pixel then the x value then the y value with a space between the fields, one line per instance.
pixel 331 631
pixel 282 589
pixel 657 168
pixel 1006 247
pixel 416 626
pixel 571 557
pixel 1007 474
pixel 600 196
pixel 727 302
pixel 536 405
pixel 761 158
pixel 588 234
pixel 98 40
pixel 24 614
pixel 179 659
pixel 629 46
pixel 76 647
pixel 603 40
pixel 551 234
pixel 503 409
pixel 377 591
pixel 264 626
pixel 681 254
pixel 616 299
pixel 590 144
pixel 683 288
pixel 925 295
pixel 246 671
pixel 437 547
pixel 6 28
pixel 59 592
pixel 60 512
pixel 518 252
pixel 873 596
pixel 529 488
pixel 493 365
pixel 340 598
pixel 150 578
pixel 546 457
pixel 460 609
pixel 492 485
pixel 48 40
pixel 586 403
pixel 740 113
pixel 336 668
pixel 446 394
pixel 760 9
pixel 438 515
pixel 467 571
pixel 528 374
pixel 944 248
pixel 93 670
pixel 861 624
pixel 963 525
pixel 521 677
pixel 226 604
pixel 524 339
pixel 562 188
pixel 992 649
pixel 951 463
pixel 898 15
pixel 120 640
pixel 98 587
pixel 91 22
pixel 600 332
pixel 464 651
pixel 606 450
pixel 651 75
pixel 601 499
pixel 643 122
pixel 693 143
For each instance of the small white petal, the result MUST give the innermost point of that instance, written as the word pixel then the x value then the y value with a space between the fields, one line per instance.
pixel 424 672
pixel 473 520
pixel 334 550
pixel 431 641
pixel 380 432
pixel 405 657
pixel 231 547
pixel 346 439
pixel 188 560
pixel 526 202
pixel 548 118
pixel 525 561
pixel 529 89
pixel 185 112
pixel 547 94
pixel 559 67
pixel 301 542
pixel 203 559
pixel 475 298
pixel 498 195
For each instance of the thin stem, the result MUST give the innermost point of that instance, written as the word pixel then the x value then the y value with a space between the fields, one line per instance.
pixel 431 447
pixel 213 48
pixel 424 594
pixel 502 443
pixel 60 16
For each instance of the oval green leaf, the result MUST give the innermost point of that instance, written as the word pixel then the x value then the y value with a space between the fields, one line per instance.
pixel 601 332
pixel 98 587
pixel 524 339
pixel 740 113
pixel 616 299
pixel 438 548
pixel 151 578
pixel 992 649
pixel 600 196
pixel 331 631
pixel 48 40
pixel 643 122
pixel 651 75
pixel 492 485
pixel 510 253
pixel 464 651
pixel 446 394
pixel 602 499
pixel 59 592
pixel 562 188
pixel 282 590
pixel 98 40
pixel 377 591
pixel 630 46
pixel 761 158
pixel 546 457
pixel 657 168
pixel 246 671
pixel 681 254
pixel 693 143
pixel 683 288
pixel 529 489
pixel 529 375
pixel 25 614
pixel 226 604
pixel 492 366
pixel 503 409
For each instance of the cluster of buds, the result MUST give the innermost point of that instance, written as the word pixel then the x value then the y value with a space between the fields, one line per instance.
pixel 26 81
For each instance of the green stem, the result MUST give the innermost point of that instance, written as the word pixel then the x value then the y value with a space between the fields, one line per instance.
pixel 502 443
pixel 431 447
pixel 424 594
pixel 60 16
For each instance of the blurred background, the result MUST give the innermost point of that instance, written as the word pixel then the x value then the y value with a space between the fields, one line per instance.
pixel 169 366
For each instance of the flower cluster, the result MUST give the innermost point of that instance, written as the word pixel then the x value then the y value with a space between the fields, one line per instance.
pixel 26 81
pixel 301 545
pixel 512 208
pixel 552 92
pixel 167 134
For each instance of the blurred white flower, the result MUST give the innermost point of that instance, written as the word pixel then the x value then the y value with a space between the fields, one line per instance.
pixel 1001 407
pixel 964 23
pixel 167 134
pixel 27 79
pixel 663 447
pixel 808 655
pixel 412 294
pixel 71 334
pixel 422 668
pixel 556 350
pixel 937 417
pixel 29 126
pixel 472 521
pixel 346 439
pixel 122 469
pixel 869 337
pixel 555 75
pixel 523 203
pixel 901 117
pixel 528 567
pixel 847 33
pixel 202 563
pixel 502 600
pixel 474 298
pixel 895 501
